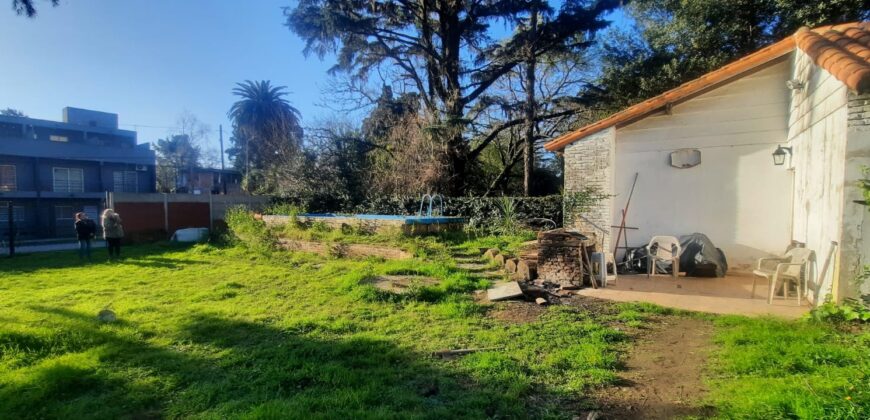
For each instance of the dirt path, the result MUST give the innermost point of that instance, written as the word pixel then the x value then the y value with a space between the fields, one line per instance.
pixel 662 377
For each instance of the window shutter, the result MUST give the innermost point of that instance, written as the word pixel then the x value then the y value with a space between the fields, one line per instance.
pixel 8 181
pixel 76 180
pixel 61 180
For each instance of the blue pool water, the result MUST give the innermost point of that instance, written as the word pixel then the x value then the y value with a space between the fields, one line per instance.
pixel 409 220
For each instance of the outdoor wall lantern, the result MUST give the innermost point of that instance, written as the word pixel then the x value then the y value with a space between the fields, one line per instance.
pixel 779 155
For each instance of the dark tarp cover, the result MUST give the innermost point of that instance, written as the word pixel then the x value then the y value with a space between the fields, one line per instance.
pixel 700 258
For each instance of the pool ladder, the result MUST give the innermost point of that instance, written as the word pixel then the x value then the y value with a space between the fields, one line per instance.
pixel 431 200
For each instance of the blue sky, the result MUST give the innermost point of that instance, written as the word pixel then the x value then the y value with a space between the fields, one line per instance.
pixel 151 60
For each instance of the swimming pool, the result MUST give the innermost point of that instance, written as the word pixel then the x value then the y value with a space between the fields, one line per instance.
pixel 410 220
pixel 411 225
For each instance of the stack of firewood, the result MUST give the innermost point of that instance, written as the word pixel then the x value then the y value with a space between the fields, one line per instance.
pixel 564 258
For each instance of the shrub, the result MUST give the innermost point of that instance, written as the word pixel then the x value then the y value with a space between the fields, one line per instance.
pixel 249 231
pixel 508 223
pixel 849 311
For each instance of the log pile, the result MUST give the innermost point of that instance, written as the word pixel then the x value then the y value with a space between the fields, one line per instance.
pixel 558 259
pixel 563 257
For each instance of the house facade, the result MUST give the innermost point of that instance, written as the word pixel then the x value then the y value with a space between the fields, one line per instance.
pixel 209 181
pixel 49 170
pixel 703 155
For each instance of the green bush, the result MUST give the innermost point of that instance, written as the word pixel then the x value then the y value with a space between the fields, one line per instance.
pixel 849 311
pixel 249 231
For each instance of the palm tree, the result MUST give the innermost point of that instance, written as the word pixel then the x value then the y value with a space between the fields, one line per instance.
pixel 261 105
pixel 268 123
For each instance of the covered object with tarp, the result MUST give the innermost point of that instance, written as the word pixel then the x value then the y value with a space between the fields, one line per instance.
pixel 699 258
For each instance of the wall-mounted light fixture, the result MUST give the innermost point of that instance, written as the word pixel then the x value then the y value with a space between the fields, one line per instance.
pixel 779 155
pixel 795 84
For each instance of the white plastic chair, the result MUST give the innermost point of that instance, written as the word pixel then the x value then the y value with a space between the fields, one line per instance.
pixel 601 262
pixel 791 267
pixel 663 248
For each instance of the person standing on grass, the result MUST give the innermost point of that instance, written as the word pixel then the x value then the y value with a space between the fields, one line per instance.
pixel 113 231
pixel 86 229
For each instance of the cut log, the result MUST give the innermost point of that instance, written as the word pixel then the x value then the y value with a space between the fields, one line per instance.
pixel 490 253
pixel 511 265
pixel 527 270
pixel 566 242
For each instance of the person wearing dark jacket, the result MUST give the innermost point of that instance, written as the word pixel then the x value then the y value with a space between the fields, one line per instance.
pixel 85 231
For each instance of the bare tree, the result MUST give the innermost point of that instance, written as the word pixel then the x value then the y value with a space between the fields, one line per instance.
pixel 541 99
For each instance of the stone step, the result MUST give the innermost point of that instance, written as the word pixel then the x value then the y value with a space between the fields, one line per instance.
pixel 474 267
pixel 489 275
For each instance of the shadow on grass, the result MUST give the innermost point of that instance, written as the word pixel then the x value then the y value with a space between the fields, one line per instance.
pixel 142 255
pixel 228 368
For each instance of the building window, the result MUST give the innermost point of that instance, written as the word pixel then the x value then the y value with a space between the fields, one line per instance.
pixel 64 218
pixel 68 180
pixel 62 139
pixel 125 181
pixel 8 180
pixel 17 213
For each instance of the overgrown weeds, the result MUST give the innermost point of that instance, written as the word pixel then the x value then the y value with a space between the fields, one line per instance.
pixel 248 231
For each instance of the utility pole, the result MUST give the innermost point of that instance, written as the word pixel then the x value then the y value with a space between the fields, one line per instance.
pixel 221 184
pixel 221 132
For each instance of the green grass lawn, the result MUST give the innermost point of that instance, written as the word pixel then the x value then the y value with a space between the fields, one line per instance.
pixel 222 332
pixel 777 369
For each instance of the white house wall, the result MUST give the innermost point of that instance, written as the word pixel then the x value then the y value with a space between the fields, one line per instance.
pixel 736 196
pixel 817 135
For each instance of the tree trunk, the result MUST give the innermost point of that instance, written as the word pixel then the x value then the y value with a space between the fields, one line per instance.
pixel 457 148
pixel 529 142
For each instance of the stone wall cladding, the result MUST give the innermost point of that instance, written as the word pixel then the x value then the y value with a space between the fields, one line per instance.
pixel 590 162
pixel 855 233
pixel 859 111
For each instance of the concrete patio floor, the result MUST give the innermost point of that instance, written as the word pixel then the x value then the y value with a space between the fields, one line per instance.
pixel 728 295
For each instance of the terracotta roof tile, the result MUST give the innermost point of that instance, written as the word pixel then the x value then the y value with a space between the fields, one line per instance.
pixel 843 50
pixel 835 50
